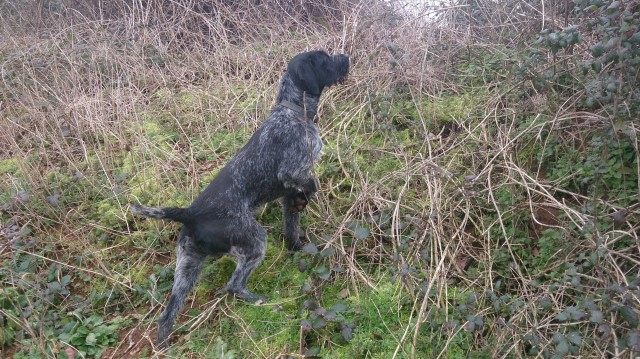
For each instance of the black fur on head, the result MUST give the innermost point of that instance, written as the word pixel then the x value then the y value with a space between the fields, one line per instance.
pixel 314 70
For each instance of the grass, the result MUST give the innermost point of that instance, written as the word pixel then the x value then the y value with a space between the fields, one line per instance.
pixel 471 203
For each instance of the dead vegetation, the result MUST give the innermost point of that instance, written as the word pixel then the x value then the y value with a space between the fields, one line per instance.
pixel 467 182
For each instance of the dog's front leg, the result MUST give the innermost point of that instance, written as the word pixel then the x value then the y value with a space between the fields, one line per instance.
pixel 301 188
pixel 292 205
pixel 297 178
pixel 307 185
pixel 303 191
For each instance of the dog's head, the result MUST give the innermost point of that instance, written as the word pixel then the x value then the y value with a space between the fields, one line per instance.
pixel 314 70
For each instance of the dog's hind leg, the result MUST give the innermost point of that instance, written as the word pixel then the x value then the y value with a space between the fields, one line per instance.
pixel 188 267
pixel 249 251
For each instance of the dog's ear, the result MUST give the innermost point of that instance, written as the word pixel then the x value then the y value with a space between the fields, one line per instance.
pixel 310 71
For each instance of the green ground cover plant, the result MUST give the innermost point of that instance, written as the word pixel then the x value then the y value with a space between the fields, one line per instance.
pixel 479 182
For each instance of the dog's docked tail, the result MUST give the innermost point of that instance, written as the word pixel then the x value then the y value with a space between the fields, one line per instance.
pixel 173 213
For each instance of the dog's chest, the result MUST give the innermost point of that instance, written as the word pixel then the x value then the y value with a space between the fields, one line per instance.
pixel 315 144
pixel 287 135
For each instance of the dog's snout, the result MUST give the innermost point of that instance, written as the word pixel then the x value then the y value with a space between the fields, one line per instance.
pixel 342 65
pixel 341 58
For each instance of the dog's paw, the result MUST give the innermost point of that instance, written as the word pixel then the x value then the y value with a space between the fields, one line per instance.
pixel 298 202
pixel 247 296
pixel 295 245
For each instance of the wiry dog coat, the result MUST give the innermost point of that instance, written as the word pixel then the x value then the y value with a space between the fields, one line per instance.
pixel 277 162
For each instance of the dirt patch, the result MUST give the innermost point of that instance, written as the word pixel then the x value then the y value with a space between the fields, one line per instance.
pixel 544 216
pixel 132 343
pixel 8 352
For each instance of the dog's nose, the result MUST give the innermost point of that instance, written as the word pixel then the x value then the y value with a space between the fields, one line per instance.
pixel 342 59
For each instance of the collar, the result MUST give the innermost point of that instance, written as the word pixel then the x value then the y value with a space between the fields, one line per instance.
pixel 292 106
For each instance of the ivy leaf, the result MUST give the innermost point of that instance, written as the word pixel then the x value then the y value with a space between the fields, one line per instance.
pixel 54 200
pixel 318 323
pixel 546 303
pixel 605 331
pixel 597 50
pixel 562 348
pixel 470 326
pixel 474 322
pixel 305 325
pixel 330 316
pixel 306 287
pixel 320 311
pixel 327 252
pixel 310 304
pixel 557 338
pixel 310 248
pixel 479 321
pixel 339 307
pixel 312 352
pixel 303 265
pixel 322 272
pixel 570 313
pixel 614 6
pixel 596 316
pixel 347 332
pixel 577 314
pixel 361 232
pixel 575 338
pixel 563 316
pixel 629 315
pixel 55 286
pixel 633 341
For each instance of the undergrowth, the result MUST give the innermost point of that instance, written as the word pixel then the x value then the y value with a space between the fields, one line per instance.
pixel 479 182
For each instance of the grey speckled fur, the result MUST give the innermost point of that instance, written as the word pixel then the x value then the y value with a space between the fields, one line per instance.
pixel 277 162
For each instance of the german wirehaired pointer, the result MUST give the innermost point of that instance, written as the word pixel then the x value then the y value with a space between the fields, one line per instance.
pixel 276 163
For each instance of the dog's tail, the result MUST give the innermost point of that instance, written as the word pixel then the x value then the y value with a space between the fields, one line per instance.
pixel 177 214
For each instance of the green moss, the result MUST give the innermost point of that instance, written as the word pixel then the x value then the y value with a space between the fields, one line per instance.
pixel 401 111
pixel 164 94
pixel 448 107
pixel 139 274
pixel 376 319
pixel 109 215
pixel 228 142
pixel 146 187
pixel 9 166
pixel 278 279
pixel 188 100
pixel 159 134
pixel 215 275
pixel 272 329
pixel 152 129
pixel 385 166
pixel 201 345
pixel 246 98
pixel 7 189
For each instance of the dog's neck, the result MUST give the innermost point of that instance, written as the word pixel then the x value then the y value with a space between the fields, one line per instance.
pixel 295 99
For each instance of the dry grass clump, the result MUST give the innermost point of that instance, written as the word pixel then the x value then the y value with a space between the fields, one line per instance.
pixel 449 170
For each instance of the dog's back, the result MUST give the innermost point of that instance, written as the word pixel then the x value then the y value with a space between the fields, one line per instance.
pixel 282 145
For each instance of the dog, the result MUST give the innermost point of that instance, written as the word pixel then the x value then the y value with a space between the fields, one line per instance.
pixel 276 163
